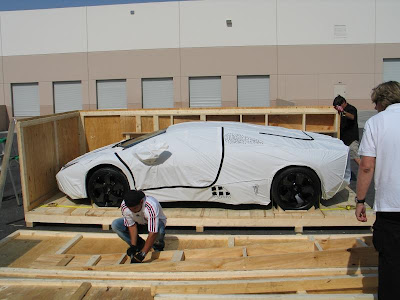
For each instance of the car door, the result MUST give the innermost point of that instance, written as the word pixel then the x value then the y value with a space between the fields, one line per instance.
pixel 185 157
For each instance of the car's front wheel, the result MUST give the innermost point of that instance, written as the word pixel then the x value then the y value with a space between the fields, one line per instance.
pixel 106 186
pixel 296 188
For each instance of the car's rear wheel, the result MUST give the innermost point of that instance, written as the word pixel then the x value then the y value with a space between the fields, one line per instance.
pixel 296 188
pixel 106 186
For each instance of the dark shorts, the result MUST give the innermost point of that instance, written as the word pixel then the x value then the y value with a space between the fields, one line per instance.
pixel 386 239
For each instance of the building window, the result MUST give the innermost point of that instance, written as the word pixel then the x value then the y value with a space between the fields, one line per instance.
pixel 67 96
pixel 253 91
pixel 25 99
pixel 158 93
pixel 391 69
pixel 205 91
pixel 111 94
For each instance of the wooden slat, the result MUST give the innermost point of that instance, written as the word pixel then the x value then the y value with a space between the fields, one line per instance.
pixel 93 260
pixel 284 285
pixel 70 244
pixel 81 291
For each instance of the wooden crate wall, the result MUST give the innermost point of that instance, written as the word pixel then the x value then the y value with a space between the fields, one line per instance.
pixel 45 144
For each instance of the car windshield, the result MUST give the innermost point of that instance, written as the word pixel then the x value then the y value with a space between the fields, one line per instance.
pixel 135 141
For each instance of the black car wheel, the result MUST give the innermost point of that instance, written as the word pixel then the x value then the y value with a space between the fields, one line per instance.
pixel 296 188
pixel 106 186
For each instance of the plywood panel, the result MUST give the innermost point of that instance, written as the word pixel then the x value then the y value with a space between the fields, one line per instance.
pixel 40 161
pixel 67 140
pixel 229 118
pixel 128 123
pixel 147 123
pixel 287 121
pixel 259 120
pixel 320 123
pixel 102 130
pixel 164 122
pixel 183 119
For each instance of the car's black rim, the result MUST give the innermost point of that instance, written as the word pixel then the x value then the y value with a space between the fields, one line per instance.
pixel 297 190
pixel 107 189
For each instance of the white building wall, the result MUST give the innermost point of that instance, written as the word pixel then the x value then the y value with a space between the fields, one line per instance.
pixel 313 21
pixel 387 21
pixel 44 31
pixel 203 23
pixel 189 24
pixel 152 26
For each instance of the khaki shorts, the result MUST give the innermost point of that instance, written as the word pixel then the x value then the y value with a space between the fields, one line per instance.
pixel 354 149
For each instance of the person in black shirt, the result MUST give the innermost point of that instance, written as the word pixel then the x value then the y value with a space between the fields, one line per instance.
pixel 348 126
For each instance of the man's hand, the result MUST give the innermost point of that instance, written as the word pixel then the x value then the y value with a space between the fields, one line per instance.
pixel 360 212
pixel 132 250
pixel 339 108
pixel 138 257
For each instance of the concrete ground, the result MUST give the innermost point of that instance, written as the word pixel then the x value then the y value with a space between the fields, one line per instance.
pixel 12 217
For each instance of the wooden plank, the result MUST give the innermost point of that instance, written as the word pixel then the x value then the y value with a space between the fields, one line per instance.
pixel 93 260
pixel 320 122
pixel 102 130
pixel 70 244
pixel 81 291
pixel 287 121
pixel 362 257
pixel 122 259
pixel 68 146
pixel 39 145
pixel 285 285
pixel 65 261
pixel 147 124
pixel 6 158
pixel 350 296
pixel 178 255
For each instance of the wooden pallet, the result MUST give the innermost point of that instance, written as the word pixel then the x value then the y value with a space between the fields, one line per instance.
pixel 89 265
pixel 333 212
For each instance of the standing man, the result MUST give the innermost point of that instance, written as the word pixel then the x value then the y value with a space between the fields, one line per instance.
pixel 137 208
pixel 380 152
pixel 348 126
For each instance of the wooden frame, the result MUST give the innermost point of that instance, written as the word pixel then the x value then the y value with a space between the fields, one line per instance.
pixel 193 265
pixel 47 143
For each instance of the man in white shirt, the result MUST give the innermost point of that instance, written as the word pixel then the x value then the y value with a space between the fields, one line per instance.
pixel 137 208
pixel 380 153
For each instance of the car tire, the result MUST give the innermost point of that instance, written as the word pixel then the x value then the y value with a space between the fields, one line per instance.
pixel 106 187
pixel 296 188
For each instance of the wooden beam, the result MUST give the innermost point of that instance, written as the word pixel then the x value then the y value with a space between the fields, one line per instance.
pixel 122 259
pixel 65 261
pixel 93 260
pixel 178 255
pixel 340 296
pixel 362 257
pixel 81 291
pixel 70 244
pixel 278 285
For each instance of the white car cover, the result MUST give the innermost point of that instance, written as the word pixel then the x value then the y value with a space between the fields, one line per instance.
pixel 227 162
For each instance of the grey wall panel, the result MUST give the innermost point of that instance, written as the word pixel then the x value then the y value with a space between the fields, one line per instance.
pixel 158 93
pixel 205 91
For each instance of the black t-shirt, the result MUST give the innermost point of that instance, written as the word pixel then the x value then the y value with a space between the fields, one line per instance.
pixel 349 128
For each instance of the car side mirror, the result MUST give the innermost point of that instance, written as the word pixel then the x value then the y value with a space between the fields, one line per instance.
pixel 149 153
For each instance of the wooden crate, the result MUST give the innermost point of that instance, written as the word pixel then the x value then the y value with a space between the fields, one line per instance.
pixel 47 143
pixel 192 266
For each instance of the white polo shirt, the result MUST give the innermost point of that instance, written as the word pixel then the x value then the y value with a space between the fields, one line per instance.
pixel 381 139
pixel 150 214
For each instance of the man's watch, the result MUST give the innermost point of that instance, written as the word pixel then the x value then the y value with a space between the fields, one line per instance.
pixel 361 201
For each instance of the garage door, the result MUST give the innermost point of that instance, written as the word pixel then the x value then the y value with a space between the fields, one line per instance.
pixel 205 91
pixel 111 94
pixel 253 91
pixel 25 98
pixel 67 96
pixel 391 69
pixel 158 93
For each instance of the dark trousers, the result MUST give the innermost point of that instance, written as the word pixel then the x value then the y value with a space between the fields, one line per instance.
pixel 386 239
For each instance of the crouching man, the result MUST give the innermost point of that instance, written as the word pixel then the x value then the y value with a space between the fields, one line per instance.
pixel 137 208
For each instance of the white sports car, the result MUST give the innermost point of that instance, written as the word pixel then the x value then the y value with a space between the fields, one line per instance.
pixel 226 162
